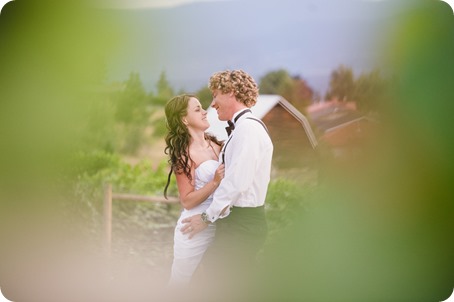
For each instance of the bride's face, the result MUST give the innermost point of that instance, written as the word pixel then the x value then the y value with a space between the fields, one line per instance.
pixel 196 118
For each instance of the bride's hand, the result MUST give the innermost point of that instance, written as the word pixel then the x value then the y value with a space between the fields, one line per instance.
pixel 219 174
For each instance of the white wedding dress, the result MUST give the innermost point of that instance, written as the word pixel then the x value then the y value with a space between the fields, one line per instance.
pixel 189 252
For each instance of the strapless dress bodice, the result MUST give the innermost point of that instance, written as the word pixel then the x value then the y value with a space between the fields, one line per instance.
pixel 205 172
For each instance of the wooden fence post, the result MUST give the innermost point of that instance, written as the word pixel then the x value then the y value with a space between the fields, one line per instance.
pixel 109 196
pixel 107 209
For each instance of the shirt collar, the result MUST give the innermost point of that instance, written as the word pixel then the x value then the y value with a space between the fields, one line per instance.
pixel 238 113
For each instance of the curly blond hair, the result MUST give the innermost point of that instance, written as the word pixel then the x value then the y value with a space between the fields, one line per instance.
pixel 239 82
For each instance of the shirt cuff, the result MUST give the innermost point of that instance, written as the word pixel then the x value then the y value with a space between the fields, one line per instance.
pixel 212 215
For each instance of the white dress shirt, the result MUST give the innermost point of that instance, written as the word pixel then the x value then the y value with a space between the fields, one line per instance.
pixel 248 153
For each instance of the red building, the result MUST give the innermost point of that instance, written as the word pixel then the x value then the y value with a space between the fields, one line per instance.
pixel 295 143
pixel 339 126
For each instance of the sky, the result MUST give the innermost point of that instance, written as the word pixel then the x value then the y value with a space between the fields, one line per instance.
pixel 189 42
pixel 191 39
pixel 143 4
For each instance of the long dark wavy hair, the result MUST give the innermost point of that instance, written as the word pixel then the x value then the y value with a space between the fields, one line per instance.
pixel 178 137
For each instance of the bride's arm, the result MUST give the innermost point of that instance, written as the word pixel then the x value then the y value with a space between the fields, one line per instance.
pixel 189 197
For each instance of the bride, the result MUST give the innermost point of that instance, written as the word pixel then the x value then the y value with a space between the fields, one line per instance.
pixel 193 156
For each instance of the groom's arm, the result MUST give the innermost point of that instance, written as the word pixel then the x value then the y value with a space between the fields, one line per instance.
pixel 242 161
pixel 193 225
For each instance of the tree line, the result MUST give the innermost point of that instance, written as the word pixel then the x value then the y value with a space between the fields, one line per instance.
pixel 135 109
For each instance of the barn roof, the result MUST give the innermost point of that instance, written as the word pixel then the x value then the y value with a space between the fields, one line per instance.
pixel 265 103
pixel 332 115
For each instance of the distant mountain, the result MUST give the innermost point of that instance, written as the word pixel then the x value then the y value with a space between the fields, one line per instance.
pixel 308 38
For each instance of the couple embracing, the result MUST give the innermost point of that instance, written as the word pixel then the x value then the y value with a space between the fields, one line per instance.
pixel 222 185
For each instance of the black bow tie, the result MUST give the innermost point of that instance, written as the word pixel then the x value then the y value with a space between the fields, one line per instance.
pixel 230 127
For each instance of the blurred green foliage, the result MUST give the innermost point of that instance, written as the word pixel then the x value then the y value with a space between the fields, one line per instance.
pixel 205 97
pixel 164 90
pixel 99 168
pixel 293 88
pixel 131 101
pixel 286 199
pixel 341 84
pixel 379 229
pixel 91 172
pixel 369 90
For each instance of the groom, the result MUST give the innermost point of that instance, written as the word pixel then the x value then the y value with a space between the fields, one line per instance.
pixel 238 203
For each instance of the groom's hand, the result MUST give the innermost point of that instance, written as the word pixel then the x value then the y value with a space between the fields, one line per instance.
pixel 193 225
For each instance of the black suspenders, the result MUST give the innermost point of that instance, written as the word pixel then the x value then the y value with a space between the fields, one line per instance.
pixel 251 118
pixel 261 123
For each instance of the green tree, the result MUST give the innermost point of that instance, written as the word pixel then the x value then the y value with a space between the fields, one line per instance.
pixel 367 91
pixel 205 97
pixel 131 101
pixel 131 114
pixel 277 82
pixel 370 90
pixel 164 90
pixel 341 85
pixel 302 95
pixel 164 93
pixel 294 89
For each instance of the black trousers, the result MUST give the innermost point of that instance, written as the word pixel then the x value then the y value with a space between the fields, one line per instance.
pixel 233 253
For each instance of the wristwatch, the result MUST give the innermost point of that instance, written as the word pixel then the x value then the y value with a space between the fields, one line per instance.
pixel 204 217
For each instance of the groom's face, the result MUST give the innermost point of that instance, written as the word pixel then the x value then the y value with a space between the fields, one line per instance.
pixel 223 103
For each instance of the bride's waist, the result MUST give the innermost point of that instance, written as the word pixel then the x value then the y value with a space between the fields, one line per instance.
pixel 199 209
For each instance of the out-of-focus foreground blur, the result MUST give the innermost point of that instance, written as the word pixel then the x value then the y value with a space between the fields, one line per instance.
pixel 377 228
pixel 382 226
